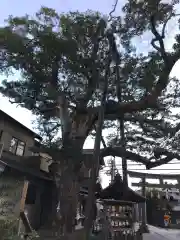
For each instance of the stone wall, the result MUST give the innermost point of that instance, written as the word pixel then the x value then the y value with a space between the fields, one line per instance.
pixel 10 195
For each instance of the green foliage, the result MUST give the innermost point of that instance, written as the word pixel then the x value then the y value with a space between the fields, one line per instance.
pixel 10 195
pixel 54 53
pixel 62 62
pixel 49 129
pixel 51 56
pixel 66 54
pixel 138 14
pixel 8 229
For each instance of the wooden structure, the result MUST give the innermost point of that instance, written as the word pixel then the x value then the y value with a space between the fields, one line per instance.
pixel 120 219
pixel 117 221
pixel 35 200
pixel 118 191
pixel 23 159
pixel 117 218
pixel 38 198
pixel 162 185
pixel 161 177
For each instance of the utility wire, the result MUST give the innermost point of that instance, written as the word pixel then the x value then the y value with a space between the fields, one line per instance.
pixel 141 169
pixel 140 164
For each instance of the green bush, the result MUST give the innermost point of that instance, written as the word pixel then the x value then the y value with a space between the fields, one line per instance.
pixel 8 228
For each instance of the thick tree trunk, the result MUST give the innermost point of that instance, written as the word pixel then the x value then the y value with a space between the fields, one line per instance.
pixel 67 172
pixel 69 204
pixel 67 191
pixel 124 160
pixel 96 155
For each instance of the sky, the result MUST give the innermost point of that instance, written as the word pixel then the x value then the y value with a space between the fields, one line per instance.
pixel 21 7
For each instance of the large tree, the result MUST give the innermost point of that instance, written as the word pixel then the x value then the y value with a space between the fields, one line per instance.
pixel 63 61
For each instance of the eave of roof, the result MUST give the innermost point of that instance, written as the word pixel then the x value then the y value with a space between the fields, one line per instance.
pixel 26 170
pixel 118 191
pixel 20 124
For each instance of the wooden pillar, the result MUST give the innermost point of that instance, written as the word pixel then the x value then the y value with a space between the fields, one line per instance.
pixel 24 194
pixel 144 227
pixel 161 180
pixel 178 180
pixel 105 228
pixel 22 205
pixel 144 204
pixel 23 218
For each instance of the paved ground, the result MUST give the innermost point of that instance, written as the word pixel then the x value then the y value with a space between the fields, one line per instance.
pixel 162 234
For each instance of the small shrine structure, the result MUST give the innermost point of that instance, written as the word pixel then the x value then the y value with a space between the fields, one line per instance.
pixel 117 219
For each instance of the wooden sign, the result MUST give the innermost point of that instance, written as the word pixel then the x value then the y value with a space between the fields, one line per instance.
pixel 24 194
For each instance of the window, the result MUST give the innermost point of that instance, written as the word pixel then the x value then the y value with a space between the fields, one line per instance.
pixel 20 148
pixel 17 147
pixel 13 145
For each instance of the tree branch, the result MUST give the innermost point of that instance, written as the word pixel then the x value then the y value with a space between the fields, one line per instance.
pixel 165 23
pixel 113 10
pixel 96 154
pixel 158 38
pixel 121 152
pixel 160 161
pixel 114 108
pixel 93 80
pixel 102 139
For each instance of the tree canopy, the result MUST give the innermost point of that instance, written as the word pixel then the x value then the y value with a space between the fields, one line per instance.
pixel 62 59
